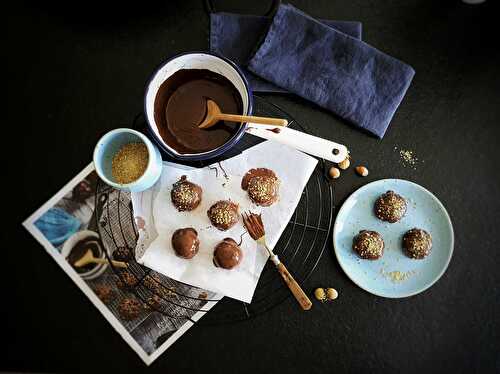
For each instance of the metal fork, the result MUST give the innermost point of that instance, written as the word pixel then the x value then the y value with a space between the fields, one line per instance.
pixel 255 227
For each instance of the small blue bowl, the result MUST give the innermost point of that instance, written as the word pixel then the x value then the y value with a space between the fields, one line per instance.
pixel 111 143
pixel 196 60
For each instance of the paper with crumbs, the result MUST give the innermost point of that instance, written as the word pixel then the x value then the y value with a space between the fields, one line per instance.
pixel 157 218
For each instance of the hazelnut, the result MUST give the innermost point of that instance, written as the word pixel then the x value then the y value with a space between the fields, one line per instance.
pixel 344 164
pixel 361 170
pixel 319 293
pixel 334 173
pixel 331 294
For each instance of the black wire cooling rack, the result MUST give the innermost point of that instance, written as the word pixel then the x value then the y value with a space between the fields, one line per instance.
pixel 300 247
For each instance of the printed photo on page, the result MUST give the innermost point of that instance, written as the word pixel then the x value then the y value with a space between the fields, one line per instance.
pixel 87 220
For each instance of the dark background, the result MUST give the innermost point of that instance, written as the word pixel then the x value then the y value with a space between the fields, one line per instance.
pixel 78 70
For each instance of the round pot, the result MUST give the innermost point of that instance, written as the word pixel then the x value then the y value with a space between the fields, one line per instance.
pixel 73 240
pixel 196 60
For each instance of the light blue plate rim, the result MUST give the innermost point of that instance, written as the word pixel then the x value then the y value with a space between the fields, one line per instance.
pixel 432 196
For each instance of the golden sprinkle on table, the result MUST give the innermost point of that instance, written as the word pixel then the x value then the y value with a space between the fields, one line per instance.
pixel 130 162
pixel 408 157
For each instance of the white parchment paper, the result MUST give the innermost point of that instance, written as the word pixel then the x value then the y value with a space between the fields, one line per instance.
pixel 157 218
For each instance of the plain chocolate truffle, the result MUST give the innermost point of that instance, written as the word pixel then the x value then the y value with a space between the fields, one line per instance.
pixel 227 254
pixel 369 245
pixel 390 207
pixel 185 195
pixel 185 242
pixel 262 186
pixel 417 243
pixel 223 214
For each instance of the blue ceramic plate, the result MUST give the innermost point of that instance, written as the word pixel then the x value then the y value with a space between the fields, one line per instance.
pixel 394 275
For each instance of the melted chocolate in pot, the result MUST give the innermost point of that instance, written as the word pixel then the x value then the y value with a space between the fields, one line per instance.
pixel 181 104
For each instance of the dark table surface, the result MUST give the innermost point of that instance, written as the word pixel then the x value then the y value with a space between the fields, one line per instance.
pixel 76 72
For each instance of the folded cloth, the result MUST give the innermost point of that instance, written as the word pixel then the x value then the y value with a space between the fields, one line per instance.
pixel 57 225
pixel 335 71
pixel 235 36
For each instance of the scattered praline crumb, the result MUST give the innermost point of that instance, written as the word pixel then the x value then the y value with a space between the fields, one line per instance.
pixel 407 158
pixel 397 276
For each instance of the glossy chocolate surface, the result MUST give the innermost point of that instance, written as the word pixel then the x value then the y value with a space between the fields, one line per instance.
pixel 181 105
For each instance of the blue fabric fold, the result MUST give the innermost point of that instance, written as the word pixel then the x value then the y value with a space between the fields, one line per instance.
pixel 57 225
pixel 336 71
pixel 236 36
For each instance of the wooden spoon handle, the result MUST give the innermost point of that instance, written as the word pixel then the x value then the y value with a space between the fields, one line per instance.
pixel 263 120
pixel 299 294
pixel 118 264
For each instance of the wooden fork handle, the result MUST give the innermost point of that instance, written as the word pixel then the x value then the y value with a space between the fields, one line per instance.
pixel 262 120
pixel 299 294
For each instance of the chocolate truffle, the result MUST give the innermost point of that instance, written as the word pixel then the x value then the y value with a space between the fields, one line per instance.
pixel 153 303
pixel 104 292
pixel 185 242
pixel 152 282
pixel 126 280
pixel 155 285
pixel 390 207
pixel 185 195
pixel 223 214
pixel 227 254
pixel 369 245
pixel 129 309
pixel 262 186
pixel 122 254
pixel 417 243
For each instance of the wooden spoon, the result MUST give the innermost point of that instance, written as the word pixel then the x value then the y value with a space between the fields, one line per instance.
pixel 214 115
pixel 89 258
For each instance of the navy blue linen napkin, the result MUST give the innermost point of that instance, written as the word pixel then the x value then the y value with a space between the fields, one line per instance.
pixel 340 73
pixel 235 36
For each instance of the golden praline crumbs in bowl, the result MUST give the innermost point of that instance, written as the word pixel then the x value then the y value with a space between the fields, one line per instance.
pixel 130 162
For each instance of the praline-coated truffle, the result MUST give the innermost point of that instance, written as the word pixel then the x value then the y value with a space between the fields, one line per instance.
pixel 185 195
pixel 126 280
pixel 223 214
pixel 129 309
pixel 417 243
pixel 390 207
pixel 369 245
pixel 262 186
